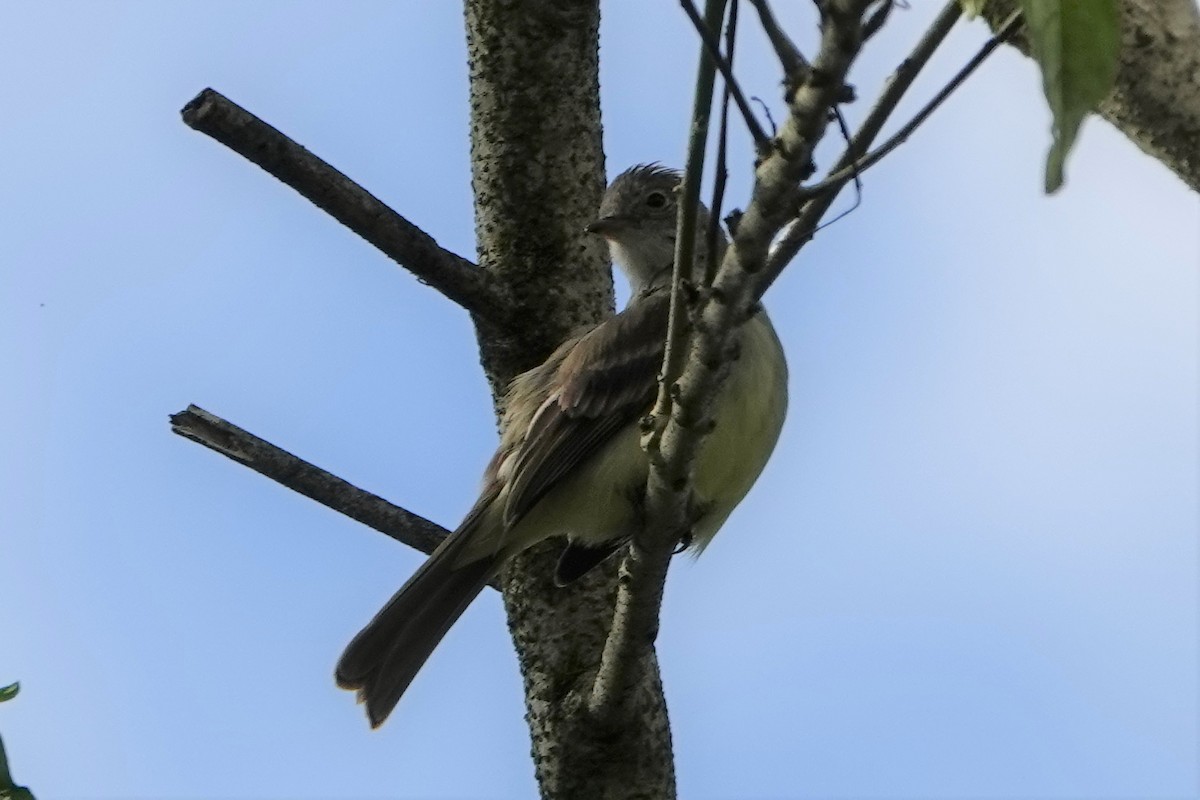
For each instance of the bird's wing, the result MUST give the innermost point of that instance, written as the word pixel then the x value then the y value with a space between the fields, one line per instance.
pixel 604 383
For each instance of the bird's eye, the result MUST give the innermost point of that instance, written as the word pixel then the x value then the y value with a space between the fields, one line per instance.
pixel 656 200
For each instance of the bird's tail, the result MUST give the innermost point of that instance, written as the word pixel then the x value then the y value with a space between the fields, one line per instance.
pixel 382 660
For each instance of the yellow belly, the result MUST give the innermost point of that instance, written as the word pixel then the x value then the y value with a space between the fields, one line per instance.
pixel 595 503
pixel 749 418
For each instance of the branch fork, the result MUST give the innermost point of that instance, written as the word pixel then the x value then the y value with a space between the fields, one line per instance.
pixel 749 267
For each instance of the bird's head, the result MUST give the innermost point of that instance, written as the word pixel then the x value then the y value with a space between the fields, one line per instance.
pixel 638 216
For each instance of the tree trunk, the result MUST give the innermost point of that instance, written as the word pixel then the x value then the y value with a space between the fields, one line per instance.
pixel 538 174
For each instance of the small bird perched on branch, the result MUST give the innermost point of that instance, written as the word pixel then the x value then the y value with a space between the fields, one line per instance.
pixel 570 461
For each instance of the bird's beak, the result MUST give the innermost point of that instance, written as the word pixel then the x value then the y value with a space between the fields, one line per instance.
pixel 606 226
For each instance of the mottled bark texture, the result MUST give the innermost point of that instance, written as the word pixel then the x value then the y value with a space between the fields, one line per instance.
pixel 537 171
pixel 538 174
pixel 1156 100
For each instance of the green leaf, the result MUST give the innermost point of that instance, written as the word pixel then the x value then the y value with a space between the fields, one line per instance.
pixel 972 8
pixel 1076 43
pixel 8 789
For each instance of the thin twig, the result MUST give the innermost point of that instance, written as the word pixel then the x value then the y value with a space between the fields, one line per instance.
pixel 722 172
pixel 802 228
pixel 643 571
pixel 311 481
pixel 875 156
pixel 455 277
pixel 762 142
pixel 790 57
pixel 844 129
pixel 877 18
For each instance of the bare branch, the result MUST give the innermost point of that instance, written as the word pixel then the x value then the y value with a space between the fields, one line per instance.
pixel 877 18
pixel 838 179
pixel 761 141
pixel 790 58
pixel 713 235
pixel 311 481
pixel 802 229
pixel 630 640
pixel 455 277
pixel 640 584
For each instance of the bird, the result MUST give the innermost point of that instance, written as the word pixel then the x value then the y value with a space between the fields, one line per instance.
pixel 570 461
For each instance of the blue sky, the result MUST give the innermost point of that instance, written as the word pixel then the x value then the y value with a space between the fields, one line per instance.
pixel 969 571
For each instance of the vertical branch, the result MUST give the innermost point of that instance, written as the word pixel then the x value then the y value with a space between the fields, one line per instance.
pixel 685 233
pixel 644 568
pixel 711 347
pixel 722 171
